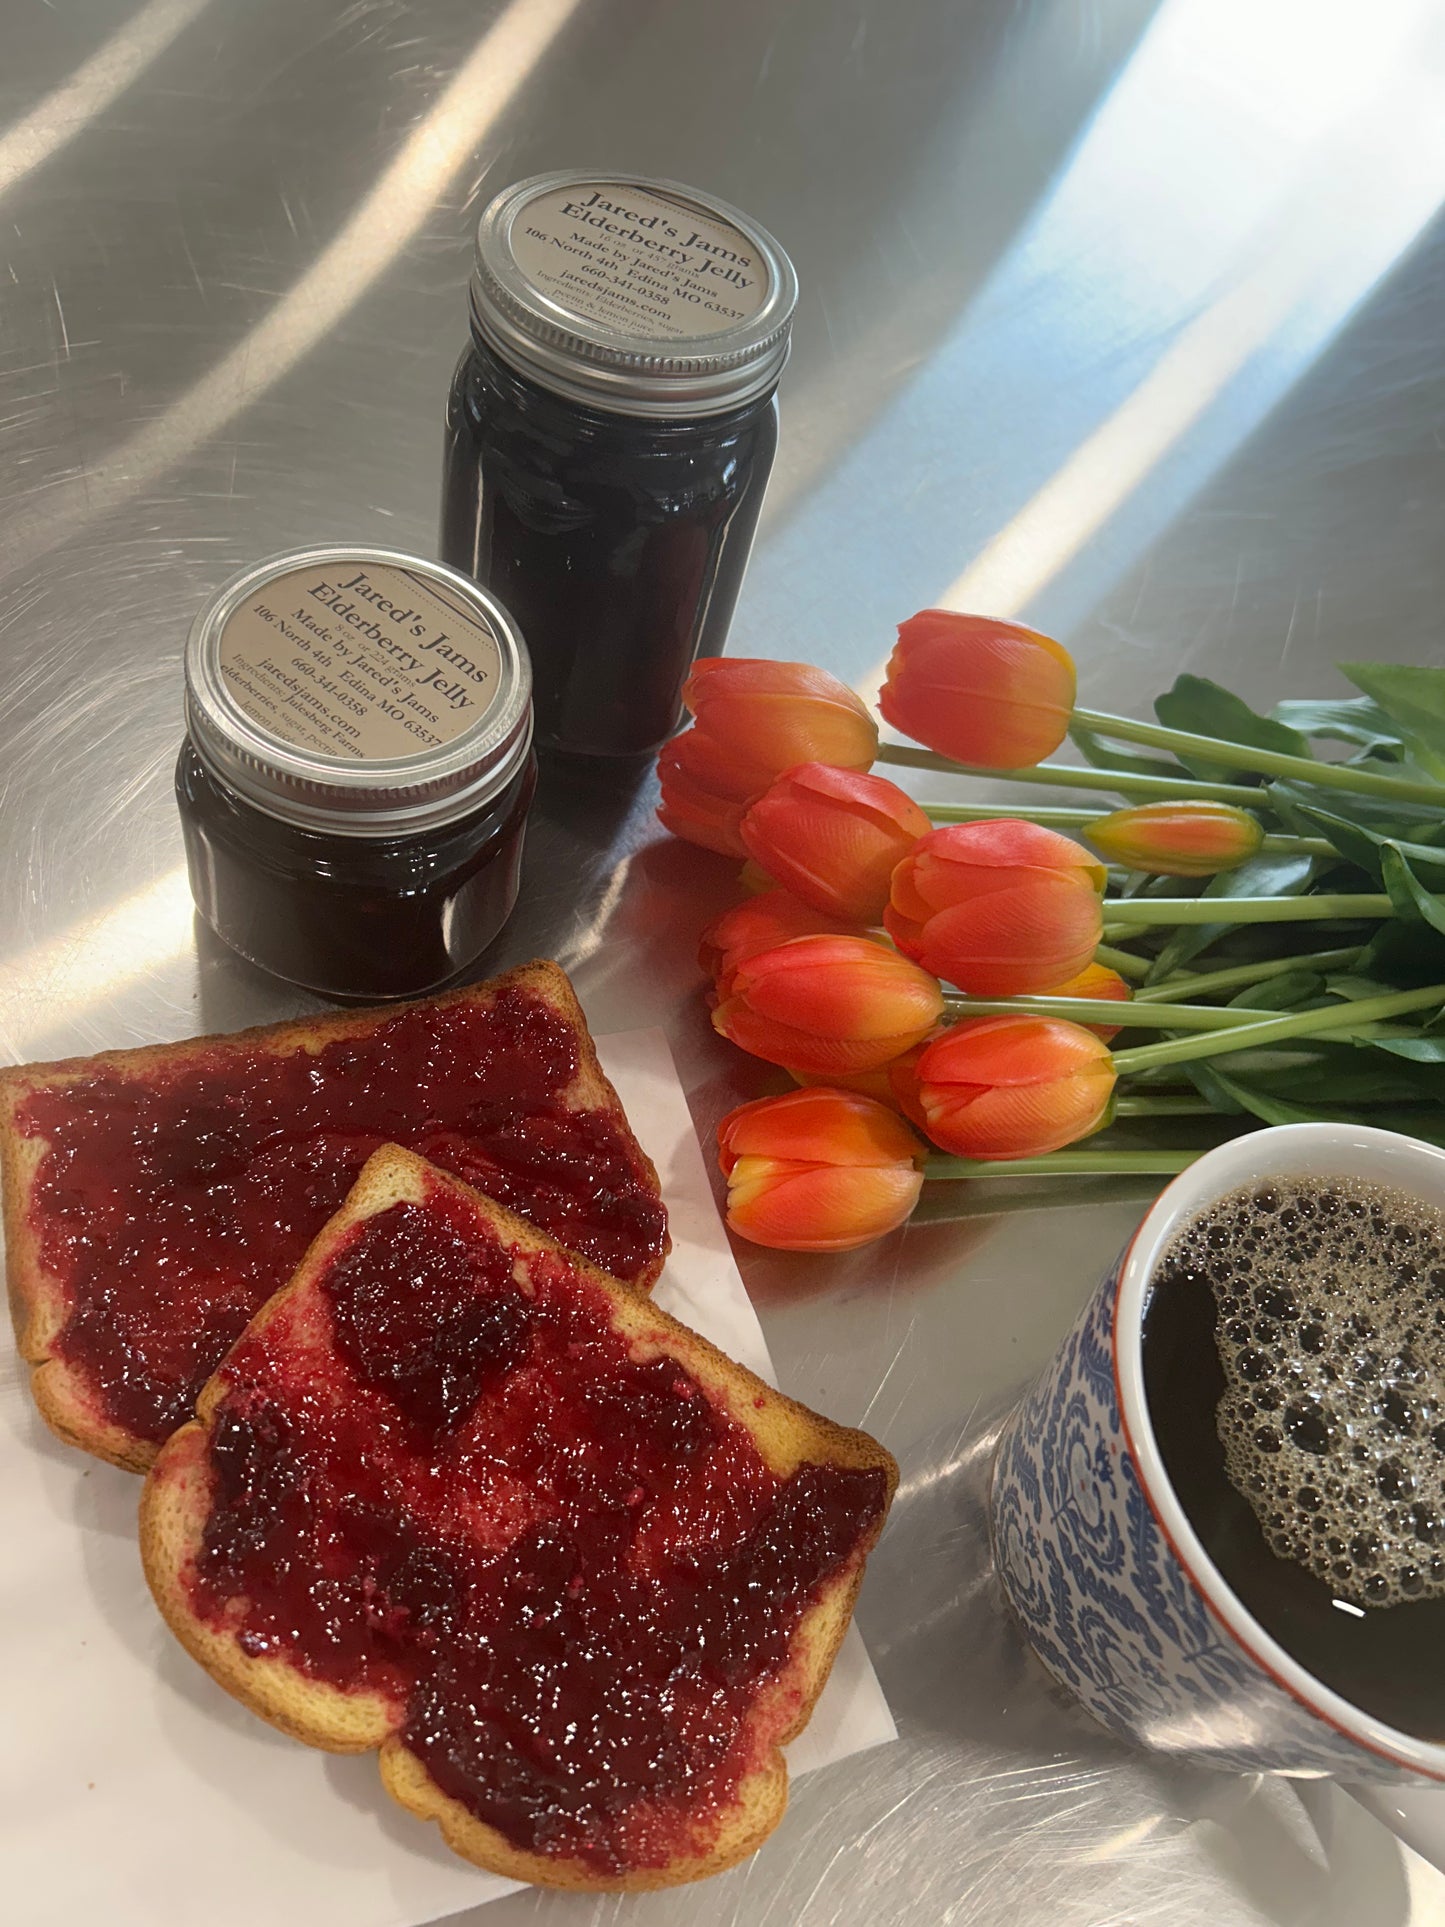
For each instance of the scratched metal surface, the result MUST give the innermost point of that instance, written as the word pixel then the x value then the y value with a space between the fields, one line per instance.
pixel 1124 317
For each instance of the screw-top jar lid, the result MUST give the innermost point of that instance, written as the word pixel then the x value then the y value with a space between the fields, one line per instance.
pixel 358 691
pixel 634 295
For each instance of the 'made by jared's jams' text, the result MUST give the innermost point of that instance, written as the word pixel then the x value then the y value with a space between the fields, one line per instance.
pixel 363 662
pixel 401 632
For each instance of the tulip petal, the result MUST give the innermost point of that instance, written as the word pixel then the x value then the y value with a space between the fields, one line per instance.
pixel 841 987
pixel 1015 941
pixel 818 1207
pixel 762 923
pixel 1026 1120
pixel 1003 1050
pixel 804 1050
pixel 834 837
pixel 1007 843
pixel 780 731
pixel 1013 1086
pixel 818 1125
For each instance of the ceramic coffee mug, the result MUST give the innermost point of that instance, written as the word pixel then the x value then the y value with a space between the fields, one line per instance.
pixel 1115 1592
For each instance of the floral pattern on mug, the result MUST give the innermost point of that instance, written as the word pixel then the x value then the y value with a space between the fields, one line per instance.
pixel 1106 1602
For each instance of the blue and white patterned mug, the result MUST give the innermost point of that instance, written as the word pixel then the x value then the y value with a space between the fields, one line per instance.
pixel 1114 1590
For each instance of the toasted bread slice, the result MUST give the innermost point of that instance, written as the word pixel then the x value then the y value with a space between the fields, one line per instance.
pixel 457 1495
pixel 155 1198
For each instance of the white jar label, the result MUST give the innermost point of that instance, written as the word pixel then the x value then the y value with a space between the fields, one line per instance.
pixel 359 659
pixel 639 263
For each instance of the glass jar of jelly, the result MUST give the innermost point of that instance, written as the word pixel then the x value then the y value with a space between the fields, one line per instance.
pixel 357 769
pixel 608 439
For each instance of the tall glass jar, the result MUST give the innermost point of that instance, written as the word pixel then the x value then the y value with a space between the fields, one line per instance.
pixel 609 434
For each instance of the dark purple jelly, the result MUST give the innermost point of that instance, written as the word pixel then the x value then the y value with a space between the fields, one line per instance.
pixel 569 1569
pixel 620 544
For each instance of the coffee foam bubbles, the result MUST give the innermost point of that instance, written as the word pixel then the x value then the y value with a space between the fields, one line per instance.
pixel 1330 1301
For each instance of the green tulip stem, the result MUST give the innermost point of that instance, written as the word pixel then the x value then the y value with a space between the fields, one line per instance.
pixel 1124 961
pixel 1122 911
pixel 1275 1030
pixel 1065 1164
pixel 1209 983
pixel 1050 817
pixel 1106 1010
pixel 1059 776
pixel 1269 762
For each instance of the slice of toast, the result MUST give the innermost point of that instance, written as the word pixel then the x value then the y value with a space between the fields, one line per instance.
pixel 155 1198
pixel 457 1495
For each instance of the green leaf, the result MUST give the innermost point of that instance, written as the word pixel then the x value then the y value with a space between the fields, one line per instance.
pixel 1412 697
pixel 1406 956
pixel 1405 822
pixel 1407 892
pixel 1420 1050
pixel 1267 875
pixel 1206 709
pixel 1350 719
pixel 1353 988
pixel 1214 1086
pixel 1329 1073
pixel 1270 1110
pixel 1289 992
pixel 1354 842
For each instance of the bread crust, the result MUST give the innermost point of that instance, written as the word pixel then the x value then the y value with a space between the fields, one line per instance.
pixel 175 1504
pixel 38 1306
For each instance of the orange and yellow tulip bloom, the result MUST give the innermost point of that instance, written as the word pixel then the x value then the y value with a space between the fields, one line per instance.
pixel 828 1005
pixel 755 718
pixel 979 690
pixel 834 837
pixel 1014 1087
pixel 1185 839
pixel 1002 908
pixel 818 1170
pixel 761 923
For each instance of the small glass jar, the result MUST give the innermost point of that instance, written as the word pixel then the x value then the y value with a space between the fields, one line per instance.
pixel 609 435
pixel 357 769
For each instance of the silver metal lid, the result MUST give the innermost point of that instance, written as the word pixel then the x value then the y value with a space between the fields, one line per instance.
pixel 642 297
pixel 358 691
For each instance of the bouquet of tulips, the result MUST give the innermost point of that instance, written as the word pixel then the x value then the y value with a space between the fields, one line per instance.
pixel 943 981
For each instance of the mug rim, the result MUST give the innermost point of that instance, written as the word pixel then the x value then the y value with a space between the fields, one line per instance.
pixel 1217 1172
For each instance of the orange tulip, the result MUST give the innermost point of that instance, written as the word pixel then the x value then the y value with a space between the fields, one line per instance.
pixel 1189 839
pixel 834 837
pixel 1014 1087
pixel 817 1170
pixel 1000 908
pixel 1096 980
pixel 828 1005
pixel 698 798
pixel 979 690
pixel 755 718
pixel 762 923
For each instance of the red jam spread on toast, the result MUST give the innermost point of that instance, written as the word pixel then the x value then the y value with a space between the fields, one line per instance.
pixel 172 1204
pixel 571 1573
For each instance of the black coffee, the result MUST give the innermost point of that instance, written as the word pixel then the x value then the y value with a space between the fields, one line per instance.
pixel 1294 1367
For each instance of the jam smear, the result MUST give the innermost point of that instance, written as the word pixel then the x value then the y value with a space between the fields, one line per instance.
pixel 172 1204
pixel 568 1569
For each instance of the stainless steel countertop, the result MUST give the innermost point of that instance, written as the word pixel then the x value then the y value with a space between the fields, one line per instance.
pixel 1125 317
